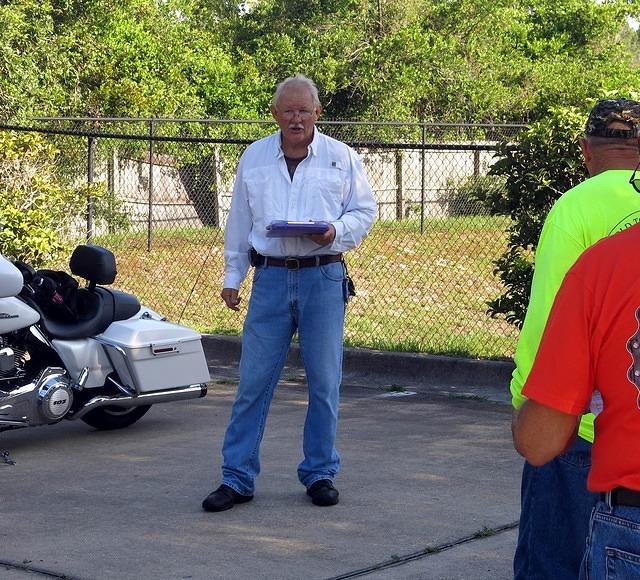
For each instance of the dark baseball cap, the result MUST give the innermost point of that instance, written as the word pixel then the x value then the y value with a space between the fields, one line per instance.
pixel 607 112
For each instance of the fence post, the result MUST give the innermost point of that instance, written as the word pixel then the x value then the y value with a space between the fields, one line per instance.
pixel 111 187
pixel 91 151
pixel 216 187
pixel 422 179
pixel 476 163
pixel 150 202
pixel 399 186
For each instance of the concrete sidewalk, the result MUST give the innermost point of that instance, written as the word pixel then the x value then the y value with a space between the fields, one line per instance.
pixel 429 489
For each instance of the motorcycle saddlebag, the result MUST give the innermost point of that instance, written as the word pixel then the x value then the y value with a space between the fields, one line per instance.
pixel 154 355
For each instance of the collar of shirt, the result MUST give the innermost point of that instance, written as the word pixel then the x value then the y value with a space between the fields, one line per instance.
pixel 313 146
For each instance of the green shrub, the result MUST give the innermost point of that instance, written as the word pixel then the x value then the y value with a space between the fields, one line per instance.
pixel 546 163
pixel 109 209
pixel 37 203
pixel 475 195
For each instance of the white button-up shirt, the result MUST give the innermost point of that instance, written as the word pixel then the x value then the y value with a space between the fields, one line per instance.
pixel 328 185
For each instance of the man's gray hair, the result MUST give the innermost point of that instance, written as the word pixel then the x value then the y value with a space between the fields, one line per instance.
pixel 299 80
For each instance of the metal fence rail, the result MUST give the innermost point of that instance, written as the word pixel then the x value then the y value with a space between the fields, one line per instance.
pixel 161 189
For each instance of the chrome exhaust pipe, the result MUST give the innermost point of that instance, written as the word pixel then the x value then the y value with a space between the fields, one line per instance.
pixel 180 394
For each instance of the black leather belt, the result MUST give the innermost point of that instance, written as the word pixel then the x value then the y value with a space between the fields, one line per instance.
pixel 294 263
pixel 622 496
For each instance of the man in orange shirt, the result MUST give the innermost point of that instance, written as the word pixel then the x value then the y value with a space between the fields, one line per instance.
pixel 592 343
pixel 554 498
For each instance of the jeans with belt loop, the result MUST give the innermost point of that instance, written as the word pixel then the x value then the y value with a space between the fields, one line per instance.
pixel 311 301
pixel 613 544
pixel 554 519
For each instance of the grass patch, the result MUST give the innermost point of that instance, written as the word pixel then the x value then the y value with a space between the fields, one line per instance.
pixel 225 381
pixel 485 532
pixel 417 291
pixel 467 397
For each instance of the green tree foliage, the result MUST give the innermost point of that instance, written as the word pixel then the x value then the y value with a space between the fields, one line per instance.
pixel 447 60
pixel 114 58
pixel 145 58
pixel 30 60
pixel 441 60
pixel 36 203
pixel 546 163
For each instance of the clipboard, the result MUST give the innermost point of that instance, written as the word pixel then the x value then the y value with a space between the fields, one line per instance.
pixel 289 229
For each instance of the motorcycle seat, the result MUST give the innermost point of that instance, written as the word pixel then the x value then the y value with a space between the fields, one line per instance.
pixel 97 308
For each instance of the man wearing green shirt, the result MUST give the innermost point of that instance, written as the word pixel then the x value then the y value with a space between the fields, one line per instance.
pixel 555 503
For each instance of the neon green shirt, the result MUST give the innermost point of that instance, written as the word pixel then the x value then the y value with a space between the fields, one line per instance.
pixel 600 206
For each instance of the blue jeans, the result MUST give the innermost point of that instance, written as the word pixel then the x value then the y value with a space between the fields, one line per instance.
pixel 311 301
pixel 554 518
pixel 613 545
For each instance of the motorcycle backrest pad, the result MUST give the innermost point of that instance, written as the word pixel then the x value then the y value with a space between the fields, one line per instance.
pixel 93 263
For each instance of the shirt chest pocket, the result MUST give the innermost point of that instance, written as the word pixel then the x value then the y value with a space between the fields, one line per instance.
pixel 265 203
pixel 324 195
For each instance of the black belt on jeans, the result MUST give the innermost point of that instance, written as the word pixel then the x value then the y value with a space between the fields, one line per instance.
pixel 294 263
pixel 622 496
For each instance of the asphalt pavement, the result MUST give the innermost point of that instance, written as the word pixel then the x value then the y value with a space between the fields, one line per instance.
pixel 429 487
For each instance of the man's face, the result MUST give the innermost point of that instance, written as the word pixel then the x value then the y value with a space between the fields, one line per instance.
pixel 296 116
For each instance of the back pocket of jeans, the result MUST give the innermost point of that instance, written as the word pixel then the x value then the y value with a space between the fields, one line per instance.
pixel 622 565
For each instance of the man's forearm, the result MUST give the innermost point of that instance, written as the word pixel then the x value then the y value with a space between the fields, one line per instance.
pixel 541 433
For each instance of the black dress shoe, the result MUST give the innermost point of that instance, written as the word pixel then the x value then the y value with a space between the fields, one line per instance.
pixel 323 493
pixel 224 498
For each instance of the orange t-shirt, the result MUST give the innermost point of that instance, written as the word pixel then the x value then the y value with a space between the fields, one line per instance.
pixel 592 342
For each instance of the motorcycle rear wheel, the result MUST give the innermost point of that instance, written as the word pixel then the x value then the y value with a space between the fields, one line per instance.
pixel 113 417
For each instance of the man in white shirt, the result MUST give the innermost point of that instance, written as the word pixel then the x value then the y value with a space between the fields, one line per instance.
pixel 299 284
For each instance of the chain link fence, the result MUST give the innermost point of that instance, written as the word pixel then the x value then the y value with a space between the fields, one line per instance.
pixel 158 194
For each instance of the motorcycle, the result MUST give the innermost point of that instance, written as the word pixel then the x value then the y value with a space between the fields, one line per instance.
pixel 105 360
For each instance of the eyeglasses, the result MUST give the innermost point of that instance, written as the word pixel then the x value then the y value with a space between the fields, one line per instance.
pixel 635 179
pixel 290 113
